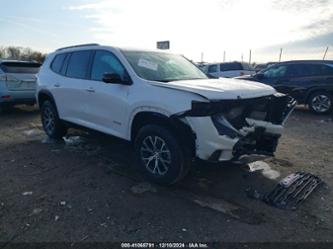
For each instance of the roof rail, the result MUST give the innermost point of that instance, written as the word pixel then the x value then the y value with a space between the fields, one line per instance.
pixel 77 46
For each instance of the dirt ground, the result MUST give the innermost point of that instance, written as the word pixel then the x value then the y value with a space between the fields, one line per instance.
pixel 87 188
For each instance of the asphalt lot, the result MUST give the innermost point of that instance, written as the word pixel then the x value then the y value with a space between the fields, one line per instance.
pixel 87 188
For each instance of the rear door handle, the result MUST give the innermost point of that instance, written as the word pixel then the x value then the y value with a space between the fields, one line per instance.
pixel 91 90
pixel 56 85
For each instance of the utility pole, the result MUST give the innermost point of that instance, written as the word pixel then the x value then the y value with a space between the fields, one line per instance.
pixel 223 56
pixel 202 56
pixel 242 58
pixel 280 56
pixel 250 57
pixel 325 53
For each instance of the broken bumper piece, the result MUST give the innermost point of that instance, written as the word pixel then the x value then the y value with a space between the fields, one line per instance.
pixel 239 130
pixel 292 190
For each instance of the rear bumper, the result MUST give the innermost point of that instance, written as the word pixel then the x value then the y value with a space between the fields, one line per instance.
pixel 9 98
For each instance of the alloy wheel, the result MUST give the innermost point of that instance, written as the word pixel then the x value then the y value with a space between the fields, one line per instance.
pixel 321 103
pixel 155 155
pixel 48 120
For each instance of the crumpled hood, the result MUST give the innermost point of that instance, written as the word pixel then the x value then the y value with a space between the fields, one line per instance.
pixel 222 88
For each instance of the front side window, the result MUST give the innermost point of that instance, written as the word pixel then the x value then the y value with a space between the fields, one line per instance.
pixel 231 66
pixel 163 67
pixel 212 68
pixel 78 64
pixel 275 72
pixel 106 62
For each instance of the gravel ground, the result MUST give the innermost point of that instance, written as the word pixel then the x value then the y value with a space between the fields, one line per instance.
pixel 87 188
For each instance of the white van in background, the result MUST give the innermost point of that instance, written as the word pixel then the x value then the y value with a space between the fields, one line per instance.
pixel 227 69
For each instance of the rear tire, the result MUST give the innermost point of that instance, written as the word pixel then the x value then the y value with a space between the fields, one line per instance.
pixel 160 155
pixel 321 102
pixel 52 125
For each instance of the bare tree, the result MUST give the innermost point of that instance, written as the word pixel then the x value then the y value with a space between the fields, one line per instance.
pixel 19 53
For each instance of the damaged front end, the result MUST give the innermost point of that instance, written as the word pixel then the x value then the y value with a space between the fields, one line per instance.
pixel 252 126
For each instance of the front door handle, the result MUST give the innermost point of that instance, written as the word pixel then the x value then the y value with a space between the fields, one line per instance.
pixel 91 90
pixel 56 85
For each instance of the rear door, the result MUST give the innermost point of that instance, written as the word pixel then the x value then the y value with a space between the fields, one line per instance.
pixel 71 87
pixel 306 77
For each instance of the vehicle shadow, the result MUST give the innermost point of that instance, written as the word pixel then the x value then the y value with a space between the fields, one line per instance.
pixel 18 111
pixel 303 111
pixel 226 181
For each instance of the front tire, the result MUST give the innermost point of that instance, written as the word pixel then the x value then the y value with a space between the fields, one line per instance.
pixel 321 102
pixel 52 125
pixel 160 155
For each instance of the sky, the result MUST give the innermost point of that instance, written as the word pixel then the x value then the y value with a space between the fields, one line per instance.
pixel 196 28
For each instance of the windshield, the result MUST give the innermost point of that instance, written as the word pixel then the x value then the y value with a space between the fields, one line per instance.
pixel 164 67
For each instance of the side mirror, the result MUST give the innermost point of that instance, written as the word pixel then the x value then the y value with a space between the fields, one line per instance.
pixel 259 76
pixel 112 78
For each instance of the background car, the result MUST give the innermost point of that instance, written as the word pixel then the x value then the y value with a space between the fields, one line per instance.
pixel 310 82
pixel 227 69
pixel 17 82
pixel 263 66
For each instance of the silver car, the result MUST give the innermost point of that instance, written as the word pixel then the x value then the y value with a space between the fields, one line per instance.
pixel 17 82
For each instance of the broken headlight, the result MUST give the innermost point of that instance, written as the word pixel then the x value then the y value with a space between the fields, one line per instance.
pixel 223 126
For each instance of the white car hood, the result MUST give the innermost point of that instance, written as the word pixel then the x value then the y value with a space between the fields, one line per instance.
pixel 222 88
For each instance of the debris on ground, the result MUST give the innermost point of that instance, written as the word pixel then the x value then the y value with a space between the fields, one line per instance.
pixel 143 187
pixel 292 190
pixel 32 132
pixel 27 193
pixel 265 169
pixel 62 203
pixel 79 143
pixel 37 211
pixel 253 193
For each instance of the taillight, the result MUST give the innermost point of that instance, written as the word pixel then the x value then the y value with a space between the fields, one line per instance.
pixel 241 74
pixel 6 97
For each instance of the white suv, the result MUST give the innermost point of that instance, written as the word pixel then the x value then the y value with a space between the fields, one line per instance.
pixel 161 102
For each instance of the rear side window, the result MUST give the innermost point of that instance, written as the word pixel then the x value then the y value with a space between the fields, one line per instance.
pixel 212 68
pixel 301 70
pixel 57 63
pixel 231 66
pixel 298 70
pixel 78 65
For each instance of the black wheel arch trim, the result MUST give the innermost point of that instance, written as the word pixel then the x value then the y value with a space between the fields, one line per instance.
pixel 49 95
pixel 185 132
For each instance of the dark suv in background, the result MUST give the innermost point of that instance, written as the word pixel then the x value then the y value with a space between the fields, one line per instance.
pixel 310 82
